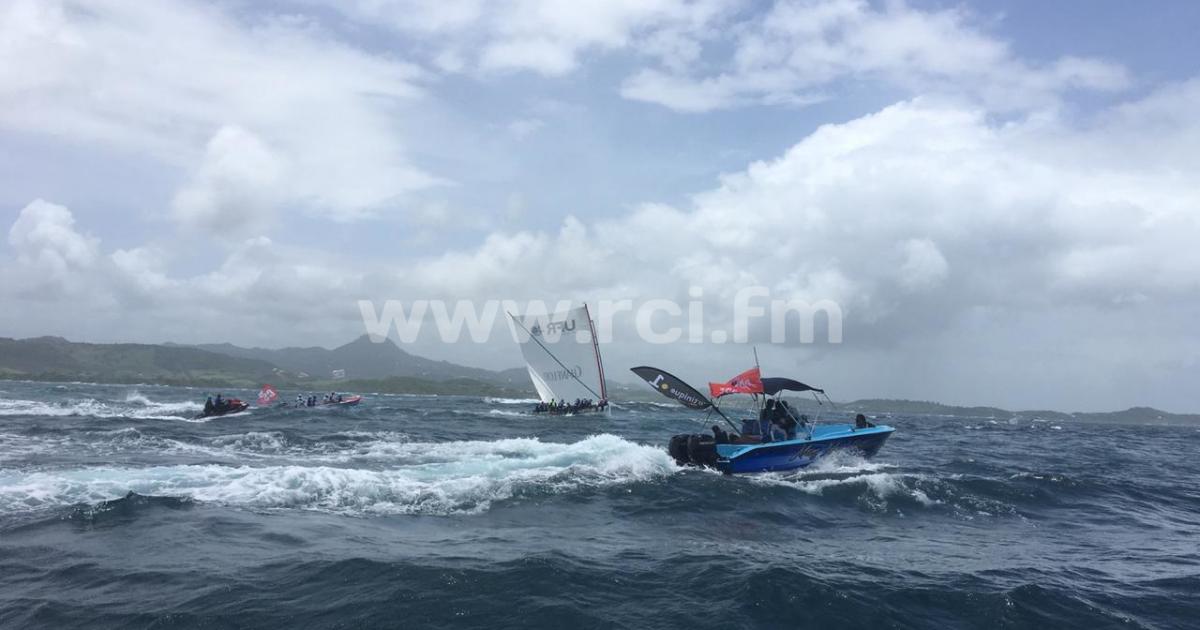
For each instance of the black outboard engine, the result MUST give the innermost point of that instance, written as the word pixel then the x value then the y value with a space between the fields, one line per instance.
pixel 693 449
pixel 677 448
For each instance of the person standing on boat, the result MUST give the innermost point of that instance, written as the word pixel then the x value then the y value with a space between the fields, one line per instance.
pixel 785 420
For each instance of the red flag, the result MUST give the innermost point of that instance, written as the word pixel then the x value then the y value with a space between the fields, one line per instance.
pixel 748 382
pixel 267 396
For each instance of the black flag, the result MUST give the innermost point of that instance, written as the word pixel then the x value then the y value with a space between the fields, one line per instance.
pixel 672 387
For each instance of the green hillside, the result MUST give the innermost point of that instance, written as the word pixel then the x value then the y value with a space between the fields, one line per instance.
pixel 56 359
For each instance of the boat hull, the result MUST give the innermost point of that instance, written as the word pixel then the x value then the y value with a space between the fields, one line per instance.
pixel 574 412
pixel 783 455
pixel 228 411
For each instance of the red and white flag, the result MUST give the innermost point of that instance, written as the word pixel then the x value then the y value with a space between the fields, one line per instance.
pixel 748 382
pixel 267 395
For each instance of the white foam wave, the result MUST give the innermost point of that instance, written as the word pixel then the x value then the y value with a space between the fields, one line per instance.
pixel 491 400
pixel 880 485
pixel 134 405
pixel 505 412
pixel 441 478
pixel 844 468
pixel 656 404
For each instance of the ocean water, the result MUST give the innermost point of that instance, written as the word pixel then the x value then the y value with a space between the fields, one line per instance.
pixel 118 510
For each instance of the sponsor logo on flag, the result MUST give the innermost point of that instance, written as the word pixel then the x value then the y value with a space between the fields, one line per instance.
pixel 748 382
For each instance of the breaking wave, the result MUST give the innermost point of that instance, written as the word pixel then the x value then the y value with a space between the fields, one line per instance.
pixel 510 401
pixel 135 405
pixel 429 478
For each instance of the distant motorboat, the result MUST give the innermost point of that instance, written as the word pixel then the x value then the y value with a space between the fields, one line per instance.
pixel 349 402
pixel 226 408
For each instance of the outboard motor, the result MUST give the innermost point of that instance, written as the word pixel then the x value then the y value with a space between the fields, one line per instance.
pixel 678 449
pixel 693 449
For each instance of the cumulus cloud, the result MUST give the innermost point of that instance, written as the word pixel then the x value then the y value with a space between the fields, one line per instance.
pixel 241 104
pixel 923 199
pixel 941 230
pixel 923 267
pixel 45 239
pixel 237 185
pixel 143 270
pixel 938 230
pixel 927 222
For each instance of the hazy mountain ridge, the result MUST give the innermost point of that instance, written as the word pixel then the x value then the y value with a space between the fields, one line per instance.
pixel 387 368
pixel 928 408
pixel 368 366
pixel 56 359
pixel 365 359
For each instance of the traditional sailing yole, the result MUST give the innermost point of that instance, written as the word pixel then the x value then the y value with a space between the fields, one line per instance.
pixel 563 357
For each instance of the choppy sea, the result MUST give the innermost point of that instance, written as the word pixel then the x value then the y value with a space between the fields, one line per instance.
pixel 117 509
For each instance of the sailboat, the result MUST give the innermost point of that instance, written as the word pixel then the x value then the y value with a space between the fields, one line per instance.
pixel 565 368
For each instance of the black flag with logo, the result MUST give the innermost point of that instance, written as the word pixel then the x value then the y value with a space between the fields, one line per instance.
pixel 671 387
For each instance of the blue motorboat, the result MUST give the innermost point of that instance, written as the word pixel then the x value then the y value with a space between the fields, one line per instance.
pixel 778 439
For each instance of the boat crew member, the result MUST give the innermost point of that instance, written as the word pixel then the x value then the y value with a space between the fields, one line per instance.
pixel 785 420
pixel 860 422
pixel 209 406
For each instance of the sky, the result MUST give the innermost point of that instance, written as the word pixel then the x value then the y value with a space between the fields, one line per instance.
pixel 1002 197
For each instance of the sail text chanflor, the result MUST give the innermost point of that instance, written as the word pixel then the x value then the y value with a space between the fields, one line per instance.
pixel 560 366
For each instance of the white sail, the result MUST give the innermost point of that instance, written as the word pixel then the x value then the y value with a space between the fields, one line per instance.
pixel 562 355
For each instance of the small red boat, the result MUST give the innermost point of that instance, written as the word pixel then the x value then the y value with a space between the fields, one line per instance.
pixel 350 401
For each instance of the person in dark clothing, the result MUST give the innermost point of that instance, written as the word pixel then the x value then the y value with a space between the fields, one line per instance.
pixel 209 406
pixel 860 422
pixel 785 419
pixel 719 435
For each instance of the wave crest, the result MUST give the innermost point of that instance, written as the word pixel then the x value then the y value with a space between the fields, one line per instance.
pixel 439 479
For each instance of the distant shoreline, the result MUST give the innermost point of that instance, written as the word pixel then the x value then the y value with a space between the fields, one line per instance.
pixel 396 385
pixel 881 408
pixel 388 369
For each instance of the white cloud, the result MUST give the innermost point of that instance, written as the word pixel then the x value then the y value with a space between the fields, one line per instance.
pixel 798 49
pixel 142 270
pixel 546 36
pixel 210 94
pixel 237 185
pixel 925 221
pixel 44 238
pixel 926 207
pixel 923 266
pixel 703 55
